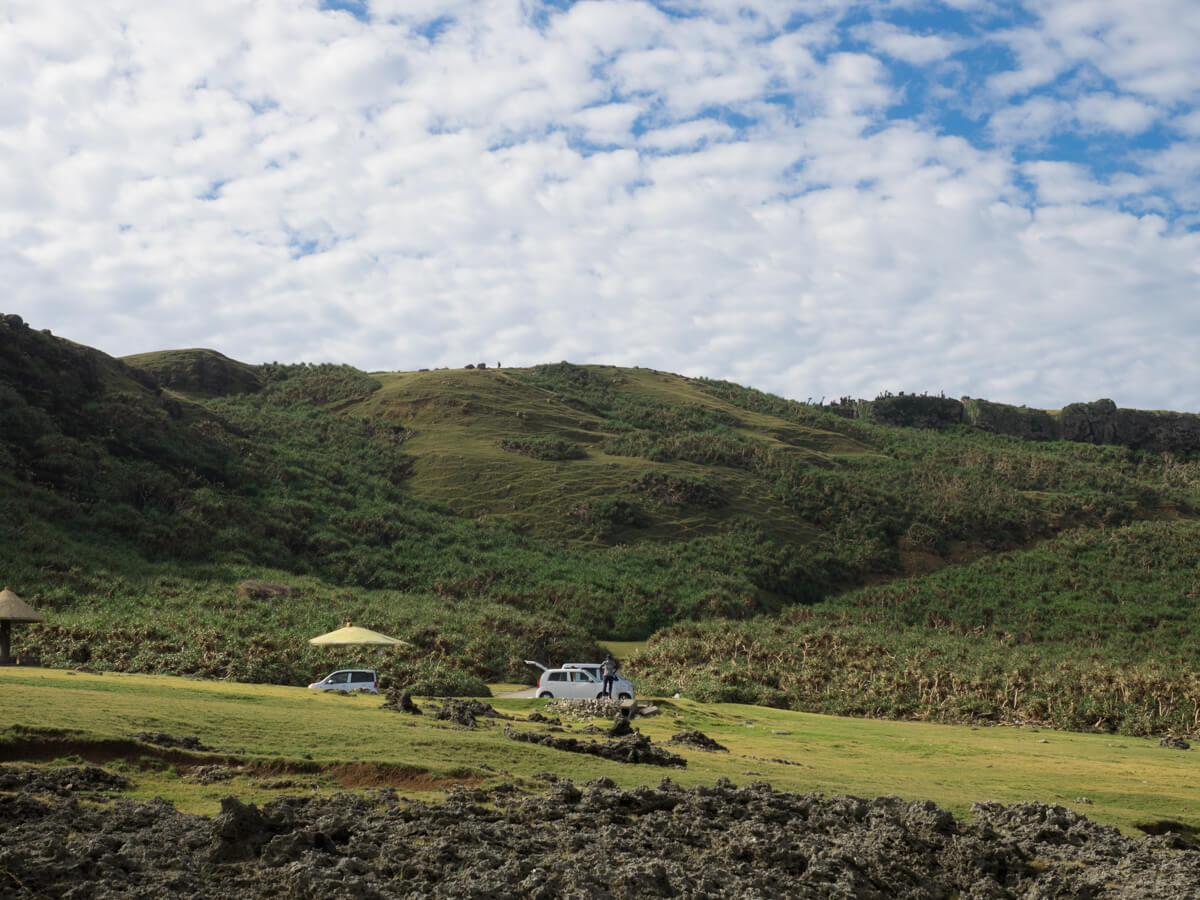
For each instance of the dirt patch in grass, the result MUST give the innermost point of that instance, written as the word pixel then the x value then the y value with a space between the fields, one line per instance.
pixel 101 752
pixel 410 778
pixel 147 756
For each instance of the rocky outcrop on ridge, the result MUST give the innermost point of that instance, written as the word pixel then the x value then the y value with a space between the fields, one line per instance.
pixel 1098 422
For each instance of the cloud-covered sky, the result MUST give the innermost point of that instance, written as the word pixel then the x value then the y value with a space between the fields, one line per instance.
pixel 814 197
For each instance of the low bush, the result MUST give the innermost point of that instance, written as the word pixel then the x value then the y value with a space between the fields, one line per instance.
pixel 544 447
pixel 677 490
pixel 604 518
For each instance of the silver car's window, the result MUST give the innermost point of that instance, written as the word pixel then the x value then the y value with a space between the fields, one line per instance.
pixel 338 678
pixel 362 676
pixel 558 676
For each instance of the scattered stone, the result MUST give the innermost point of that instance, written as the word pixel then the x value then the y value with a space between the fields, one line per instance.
pixel 213 774
pixel 1085 800
pixel 1174 743
pixel 536 716
pixel 585 709
pixel 779 731
pixel 698 740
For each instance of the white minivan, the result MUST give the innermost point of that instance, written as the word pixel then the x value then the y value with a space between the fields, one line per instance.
pixel 578 681
pixel 348 680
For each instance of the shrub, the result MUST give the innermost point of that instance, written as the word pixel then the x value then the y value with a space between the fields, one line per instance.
pixel 546 446
pixel 433 678
pixel 605 517
pixel 677 490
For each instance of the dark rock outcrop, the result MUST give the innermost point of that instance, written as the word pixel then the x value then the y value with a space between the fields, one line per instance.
pixel 1018 421
pixel 62 782
pixel 401 700
pixel 594 840
pixel 1097 422
pixel 465 712
pixel 634 748
pixel 699 740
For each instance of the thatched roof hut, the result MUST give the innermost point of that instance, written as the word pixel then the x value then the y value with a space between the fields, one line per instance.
pixel 13 609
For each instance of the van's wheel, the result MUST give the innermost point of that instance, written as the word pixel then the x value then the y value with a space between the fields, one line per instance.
pixel 624 697
pixel 546 695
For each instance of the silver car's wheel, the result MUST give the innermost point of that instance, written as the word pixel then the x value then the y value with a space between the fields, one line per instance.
pixel 624 697
pixel 546 695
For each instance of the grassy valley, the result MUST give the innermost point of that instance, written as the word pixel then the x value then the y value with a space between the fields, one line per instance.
pixel 268 739
pixel 768 551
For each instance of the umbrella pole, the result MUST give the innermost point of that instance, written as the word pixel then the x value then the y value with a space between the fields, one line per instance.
pixel 5 643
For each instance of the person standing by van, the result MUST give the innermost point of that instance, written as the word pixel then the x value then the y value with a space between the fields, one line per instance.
pixel 608 671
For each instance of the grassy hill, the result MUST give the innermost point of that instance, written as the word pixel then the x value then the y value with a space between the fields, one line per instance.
pixel 771 550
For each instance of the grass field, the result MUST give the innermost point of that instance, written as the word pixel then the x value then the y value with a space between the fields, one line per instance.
pixel 296 740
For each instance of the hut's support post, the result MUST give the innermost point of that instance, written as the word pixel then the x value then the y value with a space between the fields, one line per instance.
pixel 5 643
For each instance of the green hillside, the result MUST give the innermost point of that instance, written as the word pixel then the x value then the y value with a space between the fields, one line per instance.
pixel 787 553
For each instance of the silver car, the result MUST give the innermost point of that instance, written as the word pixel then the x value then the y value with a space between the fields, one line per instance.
pixel 348 680
pixel 578 681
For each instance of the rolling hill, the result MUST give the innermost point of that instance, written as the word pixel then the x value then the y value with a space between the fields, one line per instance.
pixel 814 556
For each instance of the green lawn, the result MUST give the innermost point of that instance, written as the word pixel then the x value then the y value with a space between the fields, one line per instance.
pixel 323 741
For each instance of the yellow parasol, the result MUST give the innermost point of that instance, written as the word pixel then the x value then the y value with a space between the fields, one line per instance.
pixel 352 634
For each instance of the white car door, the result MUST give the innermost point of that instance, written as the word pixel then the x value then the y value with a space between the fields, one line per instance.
pixel 582 687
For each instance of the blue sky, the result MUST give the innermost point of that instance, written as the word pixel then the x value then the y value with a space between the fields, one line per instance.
pixel 818 198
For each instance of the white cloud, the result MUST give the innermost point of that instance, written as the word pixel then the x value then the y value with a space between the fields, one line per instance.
pixel 1147 49
pixel 687 135
pixel 718 193
pixel 1123 114
pixel 1188 123
pixel 608 123
pixel 1032 121
pixel 902 44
